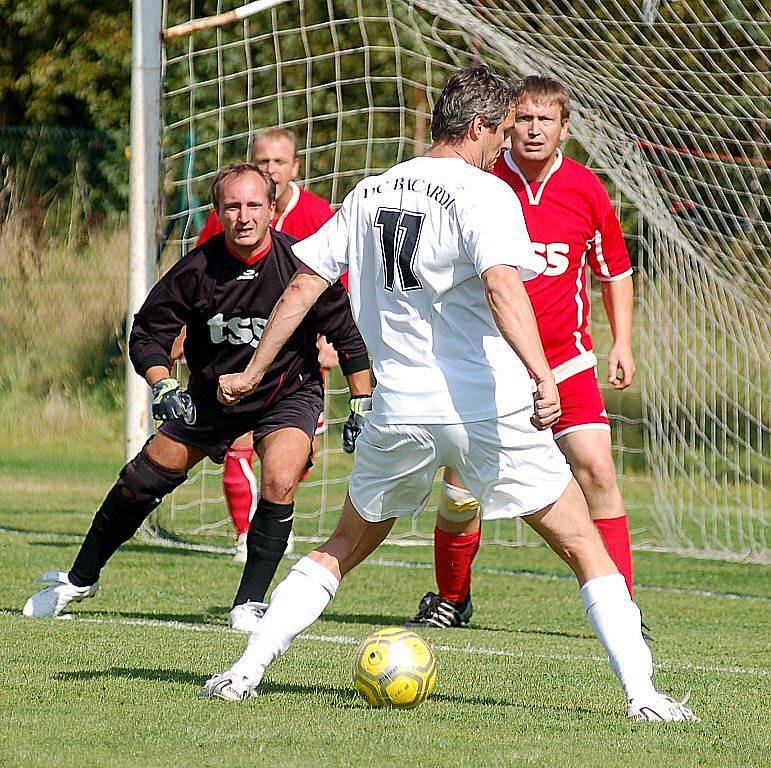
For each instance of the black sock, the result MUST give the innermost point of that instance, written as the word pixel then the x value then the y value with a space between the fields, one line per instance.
pixel 116 521
pixel 265 546
pixel 140 487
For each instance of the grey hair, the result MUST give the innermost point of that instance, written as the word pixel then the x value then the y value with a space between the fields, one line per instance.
pixel 237 169
pixel 470 92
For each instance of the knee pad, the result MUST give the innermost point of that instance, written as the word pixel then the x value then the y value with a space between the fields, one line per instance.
pixel 140 487
pixel 457 504
pixel 144 482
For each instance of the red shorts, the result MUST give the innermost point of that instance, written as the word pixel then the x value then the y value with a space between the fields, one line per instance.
pixel 582 405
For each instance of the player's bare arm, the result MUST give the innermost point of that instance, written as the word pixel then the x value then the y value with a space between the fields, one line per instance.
pixel 156 373
pixel 513 314
pixel 359 383
pixel 618 297
pixel 300 295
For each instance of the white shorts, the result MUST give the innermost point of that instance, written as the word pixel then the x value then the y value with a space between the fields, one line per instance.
pixel 506 463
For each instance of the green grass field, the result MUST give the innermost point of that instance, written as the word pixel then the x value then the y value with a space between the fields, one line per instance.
pixel 525 685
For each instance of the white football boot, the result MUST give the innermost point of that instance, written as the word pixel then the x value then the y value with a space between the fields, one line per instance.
pixel 59 593
pixel 230 686
pixel 240 555
pixel 659 708
pixel 246 617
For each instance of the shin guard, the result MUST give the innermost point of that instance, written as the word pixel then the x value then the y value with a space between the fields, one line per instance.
pixel 140 487
pixel 265 546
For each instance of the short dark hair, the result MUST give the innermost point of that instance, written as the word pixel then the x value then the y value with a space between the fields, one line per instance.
pixel 237 169
pixel 545 88
pixel 470 92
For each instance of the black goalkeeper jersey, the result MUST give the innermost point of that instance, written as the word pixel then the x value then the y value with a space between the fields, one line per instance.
pixel 225 304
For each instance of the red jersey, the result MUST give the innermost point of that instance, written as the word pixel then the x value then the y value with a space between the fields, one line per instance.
pixel 304 214
pixel 572 224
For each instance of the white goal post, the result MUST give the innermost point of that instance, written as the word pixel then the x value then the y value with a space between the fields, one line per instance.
pixel 671 108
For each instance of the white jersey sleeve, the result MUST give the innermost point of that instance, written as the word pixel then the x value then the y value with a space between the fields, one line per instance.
pixel 326 251
pixel 494 231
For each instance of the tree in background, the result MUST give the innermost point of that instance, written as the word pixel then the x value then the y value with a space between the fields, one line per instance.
pixel 64 103
pixel 65 63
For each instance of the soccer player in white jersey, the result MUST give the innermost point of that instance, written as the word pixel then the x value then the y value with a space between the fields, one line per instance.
pixel 574 228
pixel 436 262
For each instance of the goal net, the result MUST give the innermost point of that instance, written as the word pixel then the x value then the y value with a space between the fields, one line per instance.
pixel 671 108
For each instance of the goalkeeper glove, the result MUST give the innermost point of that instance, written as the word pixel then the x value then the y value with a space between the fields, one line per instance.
pixel 169 402
pixel 360 405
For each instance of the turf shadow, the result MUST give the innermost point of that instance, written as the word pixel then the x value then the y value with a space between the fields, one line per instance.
pixel 209 617
pixel 142 549
pixel 351 698
pixel 397 620
pixel 152 675
pixel 379 619
pixel 181 676
pixel 268 687
pixel 206 619
pixel 536 632
pixel 345 696
pixel 12 529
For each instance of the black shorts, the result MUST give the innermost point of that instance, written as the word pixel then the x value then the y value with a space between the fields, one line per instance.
pixel 215 430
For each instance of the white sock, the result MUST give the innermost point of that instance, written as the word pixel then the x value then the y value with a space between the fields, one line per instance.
pixel 294 605
pixel 616 620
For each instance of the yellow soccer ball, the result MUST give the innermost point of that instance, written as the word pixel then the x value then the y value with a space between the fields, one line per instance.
pixel 394 668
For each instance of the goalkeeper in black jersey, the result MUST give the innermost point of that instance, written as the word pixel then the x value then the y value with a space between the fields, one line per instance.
pixel 223 292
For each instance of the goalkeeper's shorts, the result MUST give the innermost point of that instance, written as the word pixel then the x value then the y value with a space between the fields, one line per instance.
pixel 215 429
pixel 506 463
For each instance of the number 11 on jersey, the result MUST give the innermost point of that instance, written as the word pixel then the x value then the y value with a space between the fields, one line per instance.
pixel 399 236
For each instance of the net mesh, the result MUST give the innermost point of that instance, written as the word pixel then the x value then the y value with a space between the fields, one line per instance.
pixel 671 108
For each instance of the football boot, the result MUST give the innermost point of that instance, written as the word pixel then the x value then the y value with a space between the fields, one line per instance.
pixel 246 617
pixel 57 595
pixel 436 611
pixel 659 708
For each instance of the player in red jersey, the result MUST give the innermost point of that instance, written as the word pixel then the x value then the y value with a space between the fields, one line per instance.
pixel 299 213
pixel 572 224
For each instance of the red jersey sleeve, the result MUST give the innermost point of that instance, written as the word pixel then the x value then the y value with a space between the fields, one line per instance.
pixel 608 256
pixel 210 228
pixel 323 213
pixel 309 215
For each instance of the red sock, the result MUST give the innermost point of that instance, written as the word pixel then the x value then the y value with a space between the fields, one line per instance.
pixel 453 556
pixel 615 534
pixel 240 486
